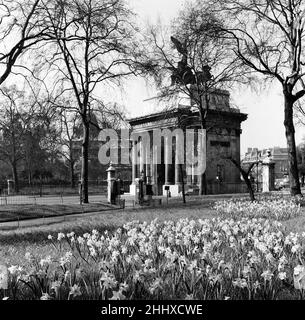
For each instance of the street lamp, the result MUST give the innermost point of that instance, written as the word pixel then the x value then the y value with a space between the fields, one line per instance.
pixel 258 154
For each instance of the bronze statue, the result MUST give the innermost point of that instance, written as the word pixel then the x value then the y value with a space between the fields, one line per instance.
pixel 183 73
pixel 181 48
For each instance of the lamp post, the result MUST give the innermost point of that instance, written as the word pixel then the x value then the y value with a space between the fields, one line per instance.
pixel 218 183
pixel 258 154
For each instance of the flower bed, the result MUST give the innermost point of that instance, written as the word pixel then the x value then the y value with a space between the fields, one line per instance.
pixel 203 259
pixel 270 208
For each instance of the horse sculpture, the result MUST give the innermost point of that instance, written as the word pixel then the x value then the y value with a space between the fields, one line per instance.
pixel 184 74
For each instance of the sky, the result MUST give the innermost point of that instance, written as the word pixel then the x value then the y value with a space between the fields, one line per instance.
pixel 264 127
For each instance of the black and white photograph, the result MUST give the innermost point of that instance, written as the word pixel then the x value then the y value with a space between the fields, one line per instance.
pixel 152 152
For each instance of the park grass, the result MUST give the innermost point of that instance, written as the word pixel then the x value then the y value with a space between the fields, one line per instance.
pixel 108 219
pixel 15 243
pixel 29 211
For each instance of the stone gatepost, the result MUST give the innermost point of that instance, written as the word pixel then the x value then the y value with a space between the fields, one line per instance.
pixel 111 190
pixel 139 196
pixel 9 186
pixel 268 173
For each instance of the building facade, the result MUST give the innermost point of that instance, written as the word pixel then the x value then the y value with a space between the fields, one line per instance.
pixel 279 157
pixel 223 130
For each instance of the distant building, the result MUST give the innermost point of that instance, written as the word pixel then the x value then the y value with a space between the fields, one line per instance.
pixel 279 156
pixel 97 171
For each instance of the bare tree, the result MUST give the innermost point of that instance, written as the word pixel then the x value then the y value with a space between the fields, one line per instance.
pixel 245 172
pixel 299 113
pixel 268 39
pixel 69 127
pixel 15 118
pixel 197 62
pixel 68 134
pixel 93 47
pixel 21 28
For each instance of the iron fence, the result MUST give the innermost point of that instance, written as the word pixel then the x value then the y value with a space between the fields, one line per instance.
pixel 226 188
pixel 54 193
pixel 41 189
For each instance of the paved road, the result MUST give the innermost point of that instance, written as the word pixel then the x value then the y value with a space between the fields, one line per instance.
pixel 74 199
pixel 48 200
pixel 172 202
pixel 95 199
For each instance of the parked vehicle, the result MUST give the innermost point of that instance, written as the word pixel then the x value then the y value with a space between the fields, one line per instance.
pixel 282 183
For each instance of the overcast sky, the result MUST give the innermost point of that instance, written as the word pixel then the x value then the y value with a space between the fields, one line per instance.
pixel 264 127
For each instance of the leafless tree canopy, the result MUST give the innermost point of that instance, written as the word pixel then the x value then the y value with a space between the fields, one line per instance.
pixel 21 27
pixel 192 42
pixel 80 47
pixel 267 37
pixel 93 45
pixel 191 58
pixel 27 133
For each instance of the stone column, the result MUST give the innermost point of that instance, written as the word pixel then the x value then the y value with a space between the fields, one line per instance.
pixel 178 178
pixel 190 169
pixel 148 168
pixel 193 175
pixel 142 158
pixel 132 187
pixel 154 169
pixel 179 155
pixel 167 158
pixel 9 186
pixel 134 162
pixel 110 187
pixel 153 165
pixel 268 173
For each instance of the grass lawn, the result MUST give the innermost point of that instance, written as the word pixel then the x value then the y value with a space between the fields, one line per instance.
pixel 30 211
pixel 15 243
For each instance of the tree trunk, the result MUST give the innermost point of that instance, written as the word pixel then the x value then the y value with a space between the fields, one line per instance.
pixel 245 175
pixel 84 170
pixel 30 178
pixel 202 178
pixel 249 186
pixel 72 180
pixel 15 177
pixel 295 188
